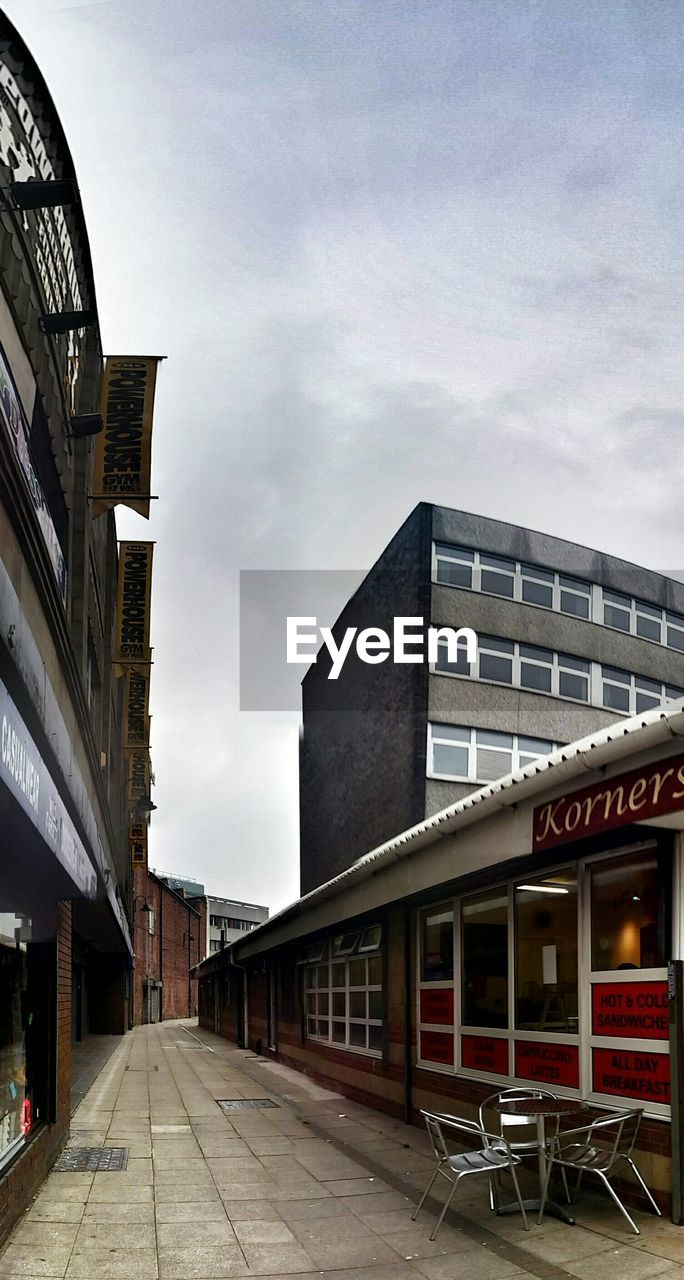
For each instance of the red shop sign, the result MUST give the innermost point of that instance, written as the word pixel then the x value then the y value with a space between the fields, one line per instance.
pixel 632 797
pixel 632 1073
pixel 548 1063
pixel 438 1007
pixel 635 1010
pixel 435 1046
pixel 485 1053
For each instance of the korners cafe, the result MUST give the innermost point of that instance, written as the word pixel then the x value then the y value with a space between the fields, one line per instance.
pixel 530 933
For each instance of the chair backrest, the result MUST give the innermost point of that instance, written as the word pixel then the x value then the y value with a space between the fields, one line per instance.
pixel 615 1135
pixel 512 1095
pixel 441 1128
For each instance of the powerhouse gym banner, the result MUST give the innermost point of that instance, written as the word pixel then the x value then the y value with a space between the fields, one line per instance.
pixel 133 600
pixel 123 450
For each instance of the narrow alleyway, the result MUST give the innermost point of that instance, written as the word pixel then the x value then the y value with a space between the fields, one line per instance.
pixel 312 1185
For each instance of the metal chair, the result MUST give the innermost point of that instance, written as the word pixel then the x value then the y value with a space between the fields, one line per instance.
pixel 523 1147
pixel 600 1148
pixel 493 1154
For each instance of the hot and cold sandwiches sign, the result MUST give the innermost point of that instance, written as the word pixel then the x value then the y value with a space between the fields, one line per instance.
pixel 645 793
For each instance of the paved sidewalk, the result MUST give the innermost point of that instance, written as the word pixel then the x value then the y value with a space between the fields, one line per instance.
pixel 314 1186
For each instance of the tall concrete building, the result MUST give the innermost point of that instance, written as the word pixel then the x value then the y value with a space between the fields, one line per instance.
pixel 570 639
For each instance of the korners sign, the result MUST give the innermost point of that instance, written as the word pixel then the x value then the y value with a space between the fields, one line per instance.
pixel 633 797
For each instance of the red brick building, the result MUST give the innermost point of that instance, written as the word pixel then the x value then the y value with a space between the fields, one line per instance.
pixel 169 939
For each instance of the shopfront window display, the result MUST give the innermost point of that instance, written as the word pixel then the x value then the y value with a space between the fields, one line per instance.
pixel 15 1099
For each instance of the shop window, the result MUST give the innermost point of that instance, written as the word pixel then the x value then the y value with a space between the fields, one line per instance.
pixel 454 566
pixel 497 575
pixel 17 1103
pixel 343 1000
pixel 437 944
pixel 537 585
pixel 628 912
pixel 546 953
pixel 484 923
pixel 575 597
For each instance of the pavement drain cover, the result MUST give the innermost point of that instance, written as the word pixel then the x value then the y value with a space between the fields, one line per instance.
pixel 244 1104
pixel 92 1160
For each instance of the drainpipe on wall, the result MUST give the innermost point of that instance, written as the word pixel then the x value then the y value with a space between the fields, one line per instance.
pixel 408 1069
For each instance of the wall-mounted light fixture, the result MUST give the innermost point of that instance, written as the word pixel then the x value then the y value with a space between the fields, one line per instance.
pixel 86 424
pixel 40 194
pixel 54 322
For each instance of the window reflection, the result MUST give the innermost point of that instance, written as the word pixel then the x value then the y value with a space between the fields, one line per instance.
pixel 628 912
pixel 437 944
pixel 485 959
pixel 546 953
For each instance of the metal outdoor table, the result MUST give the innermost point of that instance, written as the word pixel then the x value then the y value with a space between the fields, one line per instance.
pixel 540 1108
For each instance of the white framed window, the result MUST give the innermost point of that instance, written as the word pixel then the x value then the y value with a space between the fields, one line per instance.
pixel 546 589
pixel 344 996
pixel 459 754
pixel 526 666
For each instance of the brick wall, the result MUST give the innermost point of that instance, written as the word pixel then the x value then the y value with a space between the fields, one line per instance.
pixel 169 952
pixel 22 1180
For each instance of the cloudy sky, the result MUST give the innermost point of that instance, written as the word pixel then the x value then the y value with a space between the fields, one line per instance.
pixel 394 250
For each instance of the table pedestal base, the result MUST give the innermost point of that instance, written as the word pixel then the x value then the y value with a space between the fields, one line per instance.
pixel 533 1206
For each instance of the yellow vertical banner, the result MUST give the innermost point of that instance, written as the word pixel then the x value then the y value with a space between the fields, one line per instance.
pixel 136 720
pixel 123 449
pixel 133 600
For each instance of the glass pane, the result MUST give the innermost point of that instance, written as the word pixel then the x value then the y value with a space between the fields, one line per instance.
pixel 571 686
pixel 575 584
pixel 485 960
pixel 535 746
pixel 357 1034
pixel 323 1004
pixel 357 973
pixel 15 933
pixel 497 584
pixel 645 702
pixel 311 1026
pixel 533 571
pixel 338 1003
pixel 437 944
pixel 485 738
pixel 675 638
pixel 616 696
pixel 460 666
pixel 628 912
pixel 498 562
pixel 371 938
pixel 375 1004
pixel 310 978
pixel 451 732
pixel 534 677
pixel 311 1004
pixel 375 971
pixel 339 1032
pixel 375 1038
pixel 322 975
pixel 323 1028
pixel 573 664
pixel 357 1004
pixel 451 761
pixel 576 605
pixel 492 764
pixel 459 553
pixel 497 646
pixel 339 975
pixel 616 597
pixel 618 618
pixel 455 575
pixel 546 953
pixel 537 593
pixel 493 667
pixel 647 628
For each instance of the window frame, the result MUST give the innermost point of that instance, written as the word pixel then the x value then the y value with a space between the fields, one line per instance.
pixel 365 957
pixel 472 747
pixel 584 1039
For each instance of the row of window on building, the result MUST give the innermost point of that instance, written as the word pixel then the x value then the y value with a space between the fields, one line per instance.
pixel 232 922
pixel 515 580
pixel 527 666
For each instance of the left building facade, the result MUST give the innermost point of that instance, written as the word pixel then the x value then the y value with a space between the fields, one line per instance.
pixel 65 879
